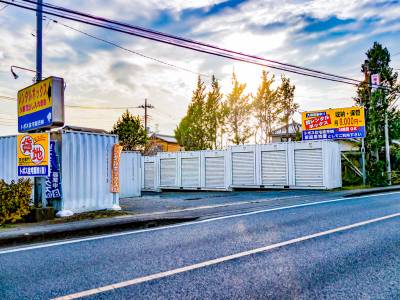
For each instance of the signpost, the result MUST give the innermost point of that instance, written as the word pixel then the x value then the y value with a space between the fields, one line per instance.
pixel 340 123
pixel 33 154
pixel 41 105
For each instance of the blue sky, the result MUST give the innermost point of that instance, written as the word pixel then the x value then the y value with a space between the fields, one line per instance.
pixel 332 36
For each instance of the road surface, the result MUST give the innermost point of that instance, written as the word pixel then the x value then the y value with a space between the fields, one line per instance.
pixel 340 249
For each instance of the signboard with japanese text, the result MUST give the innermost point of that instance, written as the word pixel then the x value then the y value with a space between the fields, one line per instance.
pixel 116 157
pixel 33 154
pixel 41 105
pixel 340 123
pixel 53 181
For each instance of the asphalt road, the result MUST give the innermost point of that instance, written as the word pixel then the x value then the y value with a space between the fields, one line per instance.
pixel 347 249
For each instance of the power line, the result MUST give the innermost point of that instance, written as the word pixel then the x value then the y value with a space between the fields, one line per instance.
pixel 187 44
pixel 126 49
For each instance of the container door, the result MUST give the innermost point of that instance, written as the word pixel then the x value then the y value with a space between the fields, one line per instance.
pixel 168 172
pixel 190 172
pixel 149 175
pixel 308 167
pixel 274 168
pixel 242 168
pixel 215 172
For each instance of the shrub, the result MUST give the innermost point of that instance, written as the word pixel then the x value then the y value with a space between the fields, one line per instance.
pixel 15 200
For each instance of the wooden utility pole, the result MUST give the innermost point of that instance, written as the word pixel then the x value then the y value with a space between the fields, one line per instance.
pixel 145 107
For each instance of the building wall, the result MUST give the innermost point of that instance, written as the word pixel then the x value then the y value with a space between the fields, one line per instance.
pixel 168 147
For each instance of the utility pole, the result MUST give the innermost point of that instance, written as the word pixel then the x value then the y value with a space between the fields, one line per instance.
pixel 145 107
pixel 39 181
pixel 364 172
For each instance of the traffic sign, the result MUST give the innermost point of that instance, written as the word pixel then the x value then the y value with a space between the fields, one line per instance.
pixel 33 154
pixel 41 105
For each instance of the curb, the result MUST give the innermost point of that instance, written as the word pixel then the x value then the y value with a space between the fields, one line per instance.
pixel 15 238
pixel 372 191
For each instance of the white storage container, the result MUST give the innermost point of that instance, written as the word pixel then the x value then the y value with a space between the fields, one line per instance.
pixel 168 170
pixel 149 173
pixel 316 164
pixel 189 174
pixel 215 170
pixel 274 165
pixel 130 174
pixel 243 166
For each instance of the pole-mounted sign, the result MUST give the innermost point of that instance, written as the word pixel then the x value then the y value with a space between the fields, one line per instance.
pixel 41 105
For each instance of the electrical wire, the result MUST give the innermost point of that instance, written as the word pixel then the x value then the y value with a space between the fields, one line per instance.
pixel 126 49
pixel 187 44
pixel 51 6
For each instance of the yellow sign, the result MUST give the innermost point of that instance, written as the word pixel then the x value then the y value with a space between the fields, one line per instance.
pixel 33 154
pixel 35 97
pixel 339 123
pixel 41 105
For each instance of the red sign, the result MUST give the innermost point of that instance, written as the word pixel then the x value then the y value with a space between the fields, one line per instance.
pixel 116 157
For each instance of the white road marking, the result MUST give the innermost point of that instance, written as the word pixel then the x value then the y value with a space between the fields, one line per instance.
pixel 105 236
pixel 220 259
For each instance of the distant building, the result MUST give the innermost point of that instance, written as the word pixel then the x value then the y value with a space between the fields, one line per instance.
pixel 280 134
pixel 165 143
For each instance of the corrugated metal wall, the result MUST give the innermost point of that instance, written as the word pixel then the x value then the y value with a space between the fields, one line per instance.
pixel 86 171
pixel 8 158
pixel 130 174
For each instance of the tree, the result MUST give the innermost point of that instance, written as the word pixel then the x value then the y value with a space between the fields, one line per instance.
pixel 286 102
pixel 239 109
pixel 191 132
pixel 265 106
pixel 214 113
pixel 376 103
pixel 131 132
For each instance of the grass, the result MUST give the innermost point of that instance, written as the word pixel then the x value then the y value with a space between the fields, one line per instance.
pixel 7 226
pixel 356 187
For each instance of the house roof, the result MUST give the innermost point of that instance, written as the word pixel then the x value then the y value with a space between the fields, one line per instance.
pixel 164 137
pixel 293 128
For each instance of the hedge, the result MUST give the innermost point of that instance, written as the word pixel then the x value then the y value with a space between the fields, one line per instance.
pixel 15 200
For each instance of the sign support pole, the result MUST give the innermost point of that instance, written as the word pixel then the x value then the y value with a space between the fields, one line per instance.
pixel 38 181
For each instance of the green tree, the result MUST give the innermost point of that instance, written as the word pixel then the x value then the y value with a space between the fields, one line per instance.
pixel 131 132
pixel 265 106
pixel 214 114
pixel 376 103
pixel 239 112
pixel 191 132
pixel 286 102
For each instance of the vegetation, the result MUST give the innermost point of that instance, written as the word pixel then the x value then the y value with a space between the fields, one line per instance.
pixel 376 103
pixel 15 200
pixel 131 132
pixel 212 120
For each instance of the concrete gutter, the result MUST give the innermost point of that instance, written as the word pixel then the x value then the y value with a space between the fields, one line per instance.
pixel 362 192
pixel 40 233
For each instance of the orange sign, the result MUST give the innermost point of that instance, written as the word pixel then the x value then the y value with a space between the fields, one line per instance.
pixel 116 157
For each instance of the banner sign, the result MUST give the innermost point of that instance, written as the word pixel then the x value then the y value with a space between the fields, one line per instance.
pixel 33 154
pixel 116 157
pixel 41 105
pixel 340 123
pixel 53 181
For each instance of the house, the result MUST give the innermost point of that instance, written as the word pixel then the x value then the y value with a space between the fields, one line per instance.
pixel 281 135
pixel 165 143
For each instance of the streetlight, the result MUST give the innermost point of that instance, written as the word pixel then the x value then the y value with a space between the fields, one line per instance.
pixel 15 75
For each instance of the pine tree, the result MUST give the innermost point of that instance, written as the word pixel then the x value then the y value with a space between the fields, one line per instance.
pixel 286 102
pixel 191 132
pixel 265 106
pixel 131 132
pixel 239 112
pixel 376 103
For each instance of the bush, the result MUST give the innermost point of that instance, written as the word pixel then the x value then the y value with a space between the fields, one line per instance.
pixel 15 200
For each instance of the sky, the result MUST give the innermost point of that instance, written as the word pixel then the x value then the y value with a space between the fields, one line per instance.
pixel 330 36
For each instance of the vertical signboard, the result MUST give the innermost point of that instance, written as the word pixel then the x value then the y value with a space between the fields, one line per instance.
pixel 116 158
pixel 41 105
pixel 33 154
pixel 340 123
pixel 53 181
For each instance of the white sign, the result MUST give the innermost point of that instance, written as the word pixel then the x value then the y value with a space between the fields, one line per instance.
pixel 375 80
